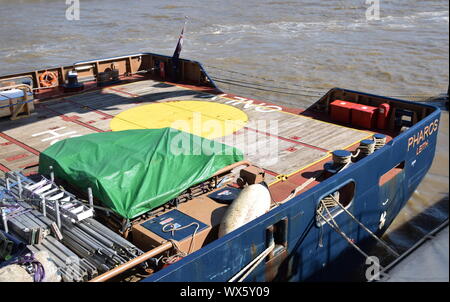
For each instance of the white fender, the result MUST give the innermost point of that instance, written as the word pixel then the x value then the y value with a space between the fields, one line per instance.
pixel 252 202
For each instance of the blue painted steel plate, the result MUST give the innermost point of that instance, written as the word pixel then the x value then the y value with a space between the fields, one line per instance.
pixel 178 220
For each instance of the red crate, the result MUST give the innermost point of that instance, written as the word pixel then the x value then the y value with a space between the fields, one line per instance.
pixel 341 111
pixel 364 116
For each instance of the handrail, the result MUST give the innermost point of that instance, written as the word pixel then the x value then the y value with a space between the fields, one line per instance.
pixel 132 263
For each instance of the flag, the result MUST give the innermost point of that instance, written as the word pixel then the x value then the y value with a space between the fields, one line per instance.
pixel 176 53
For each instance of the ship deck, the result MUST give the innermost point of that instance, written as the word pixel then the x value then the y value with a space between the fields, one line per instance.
pixel 288 144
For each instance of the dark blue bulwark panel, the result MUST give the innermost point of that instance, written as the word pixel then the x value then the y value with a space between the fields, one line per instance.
pixel 178 220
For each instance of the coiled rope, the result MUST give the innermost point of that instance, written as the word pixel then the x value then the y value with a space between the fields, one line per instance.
pixel 173 229
pixel 380 141
pixel 366 147
pixel 343 158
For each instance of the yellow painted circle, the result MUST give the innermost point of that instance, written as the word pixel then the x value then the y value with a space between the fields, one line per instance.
pixel 206 119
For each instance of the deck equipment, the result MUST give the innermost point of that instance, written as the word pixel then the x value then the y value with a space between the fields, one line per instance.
pixel 80 248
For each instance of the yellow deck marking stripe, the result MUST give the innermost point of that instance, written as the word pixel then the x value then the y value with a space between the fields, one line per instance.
pixel 303 168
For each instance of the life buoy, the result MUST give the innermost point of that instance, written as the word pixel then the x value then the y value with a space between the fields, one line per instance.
pixel 48 79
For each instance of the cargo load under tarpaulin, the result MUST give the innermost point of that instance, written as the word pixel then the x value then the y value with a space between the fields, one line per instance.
pixel 135 171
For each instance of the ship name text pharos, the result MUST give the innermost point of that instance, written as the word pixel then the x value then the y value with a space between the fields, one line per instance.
pixel 419 139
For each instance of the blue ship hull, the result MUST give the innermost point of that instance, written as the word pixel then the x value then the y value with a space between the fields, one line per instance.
pixel 315 252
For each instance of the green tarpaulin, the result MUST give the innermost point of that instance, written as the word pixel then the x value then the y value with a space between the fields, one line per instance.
pixel 134 171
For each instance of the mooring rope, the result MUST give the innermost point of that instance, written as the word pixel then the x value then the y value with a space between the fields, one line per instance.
pixel 251 76
pixel 264 89
pixel 365 228
pixel 338 230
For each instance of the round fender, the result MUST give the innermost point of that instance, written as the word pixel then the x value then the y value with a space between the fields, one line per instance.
pixel 252 202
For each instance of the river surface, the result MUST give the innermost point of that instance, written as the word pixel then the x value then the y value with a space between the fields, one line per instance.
pixel 287 52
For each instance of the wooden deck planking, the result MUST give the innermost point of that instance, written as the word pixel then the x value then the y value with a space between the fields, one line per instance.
pixel 279 156
pixel 309 131
pixel 39 135
pixel 151 91
pixel 297 140
pixel 14 157
pixel 111 109
pixel 85 115
pixel 327 136
pixel 149 87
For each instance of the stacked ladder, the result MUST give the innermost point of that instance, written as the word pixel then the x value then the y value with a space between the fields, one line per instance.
pixel 47 195
pixel 47 218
